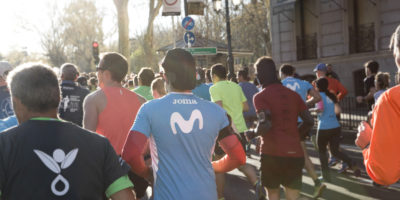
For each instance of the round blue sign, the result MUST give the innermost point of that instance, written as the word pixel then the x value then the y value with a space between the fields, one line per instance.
pixel 188 23
pixel 189 38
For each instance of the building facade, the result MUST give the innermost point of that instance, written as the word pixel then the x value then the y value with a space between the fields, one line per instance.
pixel 344 33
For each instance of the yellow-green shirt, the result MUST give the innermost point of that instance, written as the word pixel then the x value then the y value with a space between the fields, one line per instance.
pixel 232 98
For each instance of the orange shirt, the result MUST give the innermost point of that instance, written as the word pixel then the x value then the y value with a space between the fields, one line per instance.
pixel 117 118
pixel 382 159
pixel 335 87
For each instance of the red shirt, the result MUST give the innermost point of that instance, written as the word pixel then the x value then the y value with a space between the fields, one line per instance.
pixel 335 87
pixel 117 118
pixel 283 139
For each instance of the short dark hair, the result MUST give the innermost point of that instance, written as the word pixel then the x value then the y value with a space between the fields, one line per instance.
pixel 287 70
pixel 201 77
pixel 266 71
pixel 244 73
pixel 373 66
pixel 219 70
pixel 82 81
pixel 146 76
pixel 208 75
pixel 36 86
pixel 180 69
pixel 114 63
pixel 69 71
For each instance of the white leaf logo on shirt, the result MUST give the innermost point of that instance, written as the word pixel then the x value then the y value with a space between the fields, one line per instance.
pixel 293 87
pixel 186 126
pixel 53 164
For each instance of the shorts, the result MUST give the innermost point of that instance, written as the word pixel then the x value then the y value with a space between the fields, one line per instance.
pixel 305 136
pixel 286 171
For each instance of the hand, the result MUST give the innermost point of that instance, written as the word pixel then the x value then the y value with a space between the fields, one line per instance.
pixel 364 135
pixel 360 99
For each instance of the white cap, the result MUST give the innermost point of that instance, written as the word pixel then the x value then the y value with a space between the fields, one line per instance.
pixel 4 67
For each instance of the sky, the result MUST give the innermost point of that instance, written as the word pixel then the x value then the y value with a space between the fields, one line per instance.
pixel 20 21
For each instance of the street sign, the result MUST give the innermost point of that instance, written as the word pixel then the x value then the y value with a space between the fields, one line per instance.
pixel 188 23
pixel 202 51
pixel 171 7
pixel 189 38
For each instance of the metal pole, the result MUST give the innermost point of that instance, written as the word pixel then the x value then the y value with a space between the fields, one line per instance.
pixel 228 33
pixel 185 4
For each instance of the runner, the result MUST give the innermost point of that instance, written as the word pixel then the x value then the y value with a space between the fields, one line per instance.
pixel 329 130
pixel 6 109
pixel 71 106
pixel 381 145
pixel 158 88
pixel 371 69
pixel 202 90
pixel 335 87
pixel 230 96
pixel 111 110
pixel 278 109
pixel 304 89
pixel 182 130
pixel 249 90
pixel 382 80
pixel 145 77
pixel 46 158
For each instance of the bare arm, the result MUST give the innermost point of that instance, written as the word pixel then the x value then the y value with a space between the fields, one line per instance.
pixel 370 94
pixel 92 106
pixel 315 97
pixel 219 103
pixel 125 194
pixel 245 106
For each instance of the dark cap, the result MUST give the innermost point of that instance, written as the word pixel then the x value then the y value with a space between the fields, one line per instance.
pixel 180 69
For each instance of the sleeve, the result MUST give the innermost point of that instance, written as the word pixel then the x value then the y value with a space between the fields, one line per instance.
pixel 308 86
pixel 215 95
pixel 114 167
pixel 259 104
pixel 142 122
pixel 242 96
pixel 381 158
pixel 342 90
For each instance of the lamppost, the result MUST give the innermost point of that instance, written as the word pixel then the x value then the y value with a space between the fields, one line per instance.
pixel 218 7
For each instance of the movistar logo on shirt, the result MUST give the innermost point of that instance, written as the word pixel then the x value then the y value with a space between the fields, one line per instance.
pixel 293 87
pixel 186 126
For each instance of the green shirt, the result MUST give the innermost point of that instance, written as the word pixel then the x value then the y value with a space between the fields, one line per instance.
pixel 232 98
pixel 144 91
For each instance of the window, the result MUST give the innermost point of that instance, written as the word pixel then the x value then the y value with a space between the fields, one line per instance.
pixel 306 29
pixel 362 17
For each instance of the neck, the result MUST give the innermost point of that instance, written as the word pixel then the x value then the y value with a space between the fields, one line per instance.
pixel 112 84
pixel 181 91
pixel 48 114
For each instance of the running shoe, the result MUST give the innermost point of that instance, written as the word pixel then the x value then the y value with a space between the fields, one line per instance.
pixel 333 162
pixel 260 191
pixel 344 168
pixel 319 188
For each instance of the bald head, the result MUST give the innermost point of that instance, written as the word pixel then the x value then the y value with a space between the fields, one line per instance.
pixel 69 72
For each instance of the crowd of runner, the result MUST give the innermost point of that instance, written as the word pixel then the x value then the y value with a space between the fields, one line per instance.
pixel 111 135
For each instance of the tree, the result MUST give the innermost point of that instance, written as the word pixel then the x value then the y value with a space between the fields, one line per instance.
pixel 148 37
pixel 123 28
pixel 71 34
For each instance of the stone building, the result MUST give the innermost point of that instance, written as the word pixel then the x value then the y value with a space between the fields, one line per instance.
pixel 345 33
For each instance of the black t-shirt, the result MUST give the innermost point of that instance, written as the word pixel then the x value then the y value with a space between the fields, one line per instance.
pixel 369 82
pixel 6 109
pixel 56 160
pixel 70 108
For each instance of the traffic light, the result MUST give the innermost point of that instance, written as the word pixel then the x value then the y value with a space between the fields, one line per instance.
pixel 95 49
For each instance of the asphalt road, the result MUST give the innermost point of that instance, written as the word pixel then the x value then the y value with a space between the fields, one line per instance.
pixel 343 186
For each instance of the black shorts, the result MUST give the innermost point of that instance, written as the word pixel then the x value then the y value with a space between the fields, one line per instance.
pixel 286 171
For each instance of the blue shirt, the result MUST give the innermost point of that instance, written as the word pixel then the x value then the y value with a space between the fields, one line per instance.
pixel 202 91
pixel 8 122
pixel 6 109
pixel 378 94
pixel 182 133
pixel 300 86
pixel 327 119
pixel 249 91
